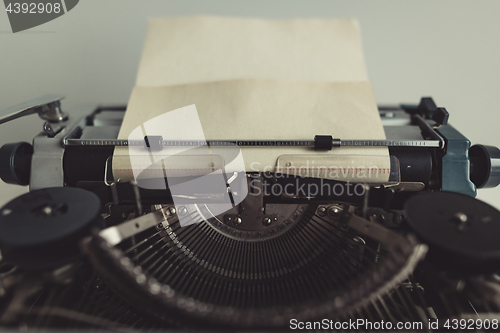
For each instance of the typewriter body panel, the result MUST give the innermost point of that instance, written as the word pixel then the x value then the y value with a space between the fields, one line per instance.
pixel 128 262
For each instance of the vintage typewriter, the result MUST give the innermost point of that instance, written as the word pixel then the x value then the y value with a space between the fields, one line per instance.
pixel 82 251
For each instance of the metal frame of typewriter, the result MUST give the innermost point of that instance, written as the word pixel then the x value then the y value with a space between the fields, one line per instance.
pixel 449 164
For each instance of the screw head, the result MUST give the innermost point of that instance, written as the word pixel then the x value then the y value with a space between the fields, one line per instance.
pixel 460 219
pixel 171 211
pixel 237 221
pixel 183 210
pixel 47 210
pixel 321 211
pixel 334 211
pixel 267 221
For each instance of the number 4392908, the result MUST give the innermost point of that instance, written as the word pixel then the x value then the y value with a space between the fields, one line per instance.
pixel 33 8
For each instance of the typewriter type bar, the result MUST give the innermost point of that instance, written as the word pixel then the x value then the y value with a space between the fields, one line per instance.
pixel 320 142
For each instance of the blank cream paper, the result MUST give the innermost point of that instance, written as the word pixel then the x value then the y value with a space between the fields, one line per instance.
pixel 253 79
pixel 200 49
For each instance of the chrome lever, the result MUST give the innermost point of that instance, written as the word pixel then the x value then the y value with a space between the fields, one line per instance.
pixel 47 107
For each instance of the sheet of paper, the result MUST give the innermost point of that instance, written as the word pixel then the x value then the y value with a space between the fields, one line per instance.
pixel 260 79
pixel 199 49
pixel 270 109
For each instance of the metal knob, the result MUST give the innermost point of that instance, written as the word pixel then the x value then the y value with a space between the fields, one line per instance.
pixel 485 166
pixel 15 163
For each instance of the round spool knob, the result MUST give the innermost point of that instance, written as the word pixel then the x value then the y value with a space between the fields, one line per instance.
pixel 485 166
pixel 15 163
pixel 42 229
pixel 461 232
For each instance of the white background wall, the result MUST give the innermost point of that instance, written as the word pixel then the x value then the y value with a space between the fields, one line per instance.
pixel 447 49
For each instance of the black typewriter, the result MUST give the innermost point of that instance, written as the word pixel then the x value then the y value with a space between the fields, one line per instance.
pixel 82 250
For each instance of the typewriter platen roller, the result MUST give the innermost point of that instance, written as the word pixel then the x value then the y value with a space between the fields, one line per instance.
pixel 114 254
